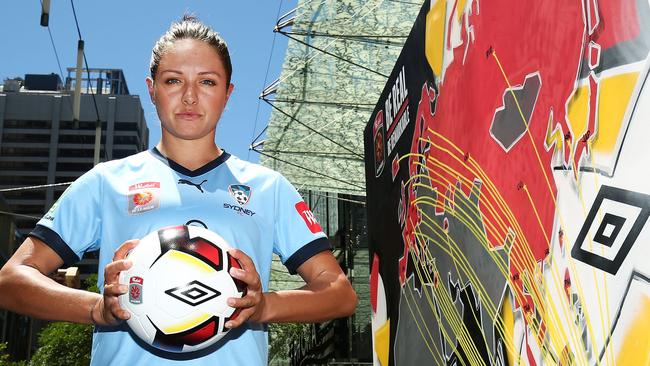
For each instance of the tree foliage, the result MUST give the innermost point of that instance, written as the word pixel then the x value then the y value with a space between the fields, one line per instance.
pixel 4 357
pixel 65 344
pixel 282 336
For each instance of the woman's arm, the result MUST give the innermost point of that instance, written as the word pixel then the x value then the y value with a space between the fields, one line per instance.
pixel 25 287
pixel 327 293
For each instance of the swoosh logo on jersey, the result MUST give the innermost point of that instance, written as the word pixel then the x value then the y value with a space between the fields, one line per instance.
pixel 190 183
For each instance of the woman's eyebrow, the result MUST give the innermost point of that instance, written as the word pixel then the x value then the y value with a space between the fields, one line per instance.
pixel 210 72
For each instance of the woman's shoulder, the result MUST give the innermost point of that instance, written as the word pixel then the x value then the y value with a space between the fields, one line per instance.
pixel 136 159
pixel 246 166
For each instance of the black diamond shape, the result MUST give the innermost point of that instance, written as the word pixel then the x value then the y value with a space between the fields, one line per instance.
pixel 194 293
pixel 187 293
pixel 628 198
pixel 609 219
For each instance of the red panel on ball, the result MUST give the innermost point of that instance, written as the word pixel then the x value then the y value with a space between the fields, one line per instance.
pixel 200 335
pixel 234 263
pixel 207 250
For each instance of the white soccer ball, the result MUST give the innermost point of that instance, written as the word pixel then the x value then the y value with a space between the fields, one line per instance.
pixel 178 287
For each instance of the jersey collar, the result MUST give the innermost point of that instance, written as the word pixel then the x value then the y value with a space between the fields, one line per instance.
pixel 190 173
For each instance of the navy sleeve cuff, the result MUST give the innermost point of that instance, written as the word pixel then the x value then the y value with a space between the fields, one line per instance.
pixel 52 239
pixel 307 251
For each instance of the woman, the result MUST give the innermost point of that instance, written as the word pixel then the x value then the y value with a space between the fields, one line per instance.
pixel 186 178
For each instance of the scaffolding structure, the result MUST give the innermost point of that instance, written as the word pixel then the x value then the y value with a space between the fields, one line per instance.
pixel 338 58
pixel 337 61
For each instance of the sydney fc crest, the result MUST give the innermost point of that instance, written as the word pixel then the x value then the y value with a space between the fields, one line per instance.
pixel 241 193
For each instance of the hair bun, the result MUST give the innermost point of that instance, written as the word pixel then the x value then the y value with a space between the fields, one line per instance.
pixel 189 17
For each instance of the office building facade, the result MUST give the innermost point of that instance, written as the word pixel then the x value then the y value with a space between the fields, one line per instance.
pixel 43 148
pixel 41 144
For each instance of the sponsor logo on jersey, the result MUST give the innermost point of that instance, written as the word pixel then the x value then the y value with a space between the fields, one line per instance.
pixel 308 217
pixel 50 213
pixel 135 290
pixel 240 210
pixel 143 197
pixel 241 193
pixel 190 183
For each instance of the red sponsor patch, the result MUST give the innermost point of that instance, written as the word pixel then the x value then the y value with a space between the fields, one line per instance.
pixel 308 216
pixel 142 198
pixel 144 185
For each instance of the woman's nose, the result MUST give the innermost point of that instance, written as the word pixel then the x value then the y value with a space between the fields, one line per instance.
pixel 189 96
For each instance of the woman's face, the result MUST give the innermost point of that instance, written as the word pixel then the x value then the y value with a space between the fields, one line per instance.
pixel 189 90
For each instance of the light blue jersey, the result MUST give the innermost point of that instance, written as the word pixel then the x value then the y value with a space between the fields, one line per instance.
pixel 253 208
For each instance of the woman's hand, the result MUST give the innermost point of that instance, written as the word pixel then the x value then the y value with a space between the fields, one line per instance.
pixel 107 310
pixel 251 305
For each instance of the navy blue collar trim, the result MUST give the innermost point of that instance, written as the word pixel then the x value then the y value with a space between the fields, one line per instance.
pixel 190 173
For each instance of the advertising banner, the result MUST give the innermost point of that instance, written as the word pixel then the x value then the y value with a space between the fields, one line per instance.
pixel 507 190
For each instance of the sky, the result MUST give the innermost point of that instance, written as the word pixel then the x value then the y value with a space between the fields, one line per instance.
pixel 120 34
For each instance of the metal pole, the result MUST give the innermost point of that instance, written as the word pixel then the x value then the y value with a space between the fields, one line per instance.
pixel 98 141
pixel 45 13
pixel 76 104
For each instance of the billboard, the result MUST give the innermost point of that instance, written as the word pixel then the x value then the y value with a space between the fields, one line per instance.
pixel 507 192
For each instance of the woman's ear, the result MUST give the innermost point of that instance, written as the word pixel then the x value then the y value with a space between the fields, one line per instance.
pixel 231 87
pixel 152 93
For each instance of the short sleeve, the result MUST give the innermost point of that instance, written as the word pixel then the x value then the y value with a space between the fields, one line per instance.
pixel 297 235
pixel 72 226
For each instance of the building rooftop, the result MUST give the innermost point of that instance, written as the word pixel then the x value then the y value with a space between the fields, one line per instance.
pixel 93 81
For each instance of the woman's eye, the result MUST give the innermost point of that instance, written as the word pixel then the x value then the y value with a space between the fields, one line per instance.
pixel 208 82
pixel 172 81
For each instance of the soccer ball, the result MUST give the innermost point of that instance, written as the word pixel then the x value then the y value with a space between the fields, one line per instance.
pixel 178 287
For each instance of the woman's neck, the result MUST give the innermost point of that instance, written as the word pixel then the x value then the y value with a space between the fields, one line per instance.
pixel 188 153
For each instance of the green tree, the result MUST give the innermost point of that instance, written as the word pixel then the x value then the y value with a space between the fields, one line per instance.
pixel 281 337
pixel 4 357
pixel 65 344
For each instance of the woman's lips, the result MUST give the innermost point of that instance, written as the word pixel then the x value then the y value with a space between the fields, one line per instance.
pixel 188 115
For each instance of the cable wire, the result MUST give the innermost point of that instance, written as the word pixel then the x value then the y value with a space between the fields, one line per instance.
pixel 310 170
pixel 56 54
pixel 314 130
pixel 259 102
pixel 333 54
pixel 315 193
pixel 34 187
pixel 92 92
pixel 19 215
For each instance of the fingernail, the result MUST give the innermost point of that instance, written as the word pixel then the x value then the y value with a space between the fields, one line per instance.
pixel 228 324
pixel 236 272
pixel 231 302
pixel 124 289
